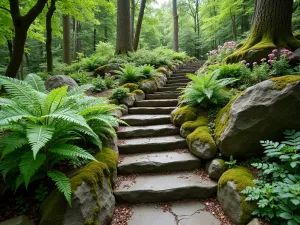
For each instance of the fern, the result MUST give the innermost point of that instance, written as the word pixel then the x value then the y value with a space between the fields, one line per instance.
pixel 71 151
pixel 79 90
pixel 129 74
pixel 63 184
pixel 36 82
pixel 12 142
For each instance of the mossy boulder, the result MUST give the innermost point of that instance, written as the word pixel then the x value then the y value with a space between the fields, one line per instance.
pixel 139 95
pixel 124 109
pixel 20 220
pixel 129 100
pixel 183 114
pixel 190 126
pixel 92 199
pixel 160 80
pixel 131 86
pixel 262 112
pixel 148 86
pixel 201 143
pixel 215 168
pixel 165 71
pixel 60 81
pixel 230 186
pixel 109 68
pixel 100 71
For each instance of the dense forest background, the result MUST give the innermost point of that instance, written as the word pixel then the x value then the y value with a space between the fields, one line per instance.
pixel 203 25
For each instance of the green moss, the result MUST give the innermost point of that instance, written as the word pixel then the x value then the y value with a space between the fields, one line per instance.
pixel 163 70
pixel 192 125
pixel 138 91
pixel 222 119
pixel 223 164
pixel 243 178
pixel 100 71
pixel 203 135
pixel 131 86
pixel 184 114
pixel 281 82
pixel 53 208
pixel 147 81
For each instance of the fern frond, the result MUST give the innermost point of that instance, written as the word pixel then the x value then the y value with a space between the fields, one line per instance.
pixel 38 136
pixel 36 82
pixel 62 182
pixel 79 90
pixel 71 151
pixel 6 101
pixel 30 165
pixel 54 99
pixel 7 165
pixel 9 114
pixel 11 142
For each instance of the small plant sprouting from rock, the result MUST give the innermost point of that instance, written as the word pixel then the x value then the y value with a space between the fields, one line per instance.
pixel 231 163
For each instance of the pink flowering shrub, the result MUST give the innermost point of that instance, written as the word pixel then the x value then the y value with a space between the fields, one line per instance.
pixel 280 65
pixel 217 56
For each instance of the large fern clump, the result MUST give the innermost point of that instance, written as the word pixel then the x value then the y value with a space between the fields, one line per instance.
pixel 205 89
pixel 129 74
pixel 42 129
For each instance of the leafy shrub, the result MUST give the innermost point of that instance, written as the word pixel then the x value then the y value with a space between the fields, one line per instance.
pixel 43 75
pixel 280 66
pixel 148 71
pixel 109 81
pixel 277 192
pixel 119 93
pixel 206 89
pixel 42 129
pixel 80 77
pixel 129 74
pixel 131 86
pixel 99 85
pixel 217 56
pixel 260 72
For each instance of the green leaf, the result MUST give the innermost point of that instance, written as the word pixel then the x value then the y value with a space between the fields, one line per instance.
pixel 36 82
pixel 297 218
pixel 12 142
pixel 54 99
pixel 63 184
pixel 38 136
pixel 293 164
pixel 292 222
pixel 71 151
pixel 286 215
pixel 79 90
pixel 29 166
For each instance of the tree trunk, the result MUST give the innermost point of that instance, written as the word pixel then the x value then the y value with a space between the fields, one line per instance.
pixel 95 39
pixel 139 25
pixel 10 48
pixel 132 19
pixel 75 38
pixel 66 40
pixel 233 24
pixel 198 28
pixel 271 28
pixel 21 26
pixel 175 18
pixel 124 37
pixel 49 16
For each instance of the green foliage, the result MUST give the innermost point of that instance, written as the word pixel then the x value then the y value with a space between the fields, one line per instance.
pixel 80 77
pixel 277 192
pixel 99 85
pixel 41 193
pixel 231 163
pixel 21 206
pixel 129 74
pixel 260 72
pixel 148 71
pixel 43 129
pixel 119 93
pixel 206 89
pixel 109 81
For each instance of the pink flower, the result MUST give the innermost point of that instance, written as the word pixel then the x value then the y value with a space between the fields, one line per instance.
pixel 263 60
pixel 275 51
pixel 244 61
pixel 248 64
pixel 284 51
pixel 290 54
pixel 107 74
pixel 271 56
pixel 255 64
pixel 270 61
pixel 220 47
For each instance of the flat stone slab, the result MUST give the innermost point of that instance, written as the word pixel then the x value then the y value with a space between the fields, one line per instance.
pixel 157 103
pixel 165 187
pixel 144 120
pixel 157 144
pixel 177 84
pixel 162 96
pixel 168 89
pixel 159 162
pixel 148 131
pixel 151 110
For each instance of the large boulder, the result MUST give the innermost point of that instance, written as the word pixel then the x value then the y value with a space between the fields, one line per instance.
pixel 59 81
pixel 139 95
pixel 148 86
pixel 230 186
pixel 160 80
pixel 129 100
pixel 183 114
pixel 109 68
pixel 262 112
pixel 201 143
pixel 20 220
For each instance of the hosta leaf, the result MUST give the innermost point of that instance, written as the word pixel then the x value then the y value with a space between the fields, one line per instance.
pixel 63 184
pixel 286 216
pixel 29 166
pixel 36 82
pixel 38 136
pixel 71 151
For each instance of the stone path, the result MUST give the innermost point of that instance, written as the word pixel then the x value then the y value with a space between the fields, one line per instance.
pixel 156 165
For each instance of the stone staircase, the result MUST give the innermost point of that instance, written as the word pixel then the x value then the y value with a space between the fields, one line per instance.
pixel 152 151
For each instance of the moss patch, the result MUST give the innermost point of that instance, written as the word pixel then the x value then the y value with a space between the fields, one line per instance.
pixel 131 86
pixel 100 71
pixel 138 91
pixel 192 125
pixel 203 135
pixel 281 82
pixel 223 164
pixel 147 81
pixel 53 208
pixel 183 114
pixel 243 178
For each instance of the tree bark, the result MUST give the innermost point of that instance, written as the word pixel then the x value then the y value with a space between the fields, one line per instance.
pixel 21 26
pixel 139 25
pixel 132 14
pixel 271 28
pixel 75 38
pixel 233 25
pixel 95 39
pixel 49 16
pixel 124 37
pixel 10 48
pixel 66 40
pixel 175 18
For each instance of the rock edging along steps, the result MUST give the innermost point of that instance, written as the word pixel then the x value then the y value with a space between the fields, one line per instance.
pixel 153 152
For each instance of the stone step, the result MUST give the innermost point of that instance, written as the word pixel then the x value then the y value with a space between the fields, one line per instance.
pixel 168 89
pixel 183 75
pixel 148 131
pixel 144 120
pixel 156 144
pixel 165 187
pixel 157 103
pixel 158 162
pixel 151 110
pixel 162 95
pixel 178 81
pixel 168 92
pixel 177 85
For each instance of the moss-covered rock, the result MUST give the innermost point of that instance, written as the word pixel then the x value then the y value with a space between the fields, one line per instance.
pixel 230 186
pixel 131 86
pixel 139 95
pixel 148 86
pixel 201 143
pixel 215 168
pixel 92 198
pixel 100 71
pixel 129 100
pixel 190 126
pixel 20 220
pixel 261 112
pixel 183 114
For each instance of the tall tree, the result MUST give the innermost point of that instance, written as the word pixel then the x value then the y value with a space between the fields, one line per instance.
pixel 132 14
pixel 139 25
pixel 49 16
pixel 271 28
pixel 175 21
pixel 66 40
pixel 124 37
pixel 21 25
